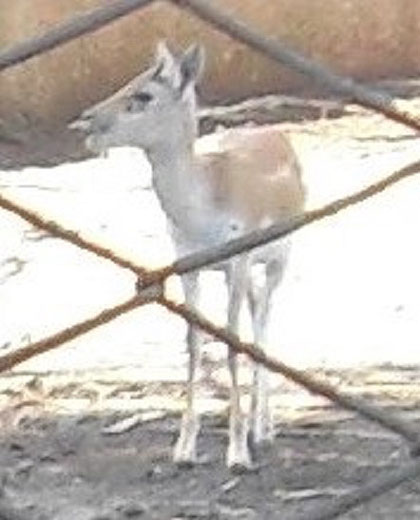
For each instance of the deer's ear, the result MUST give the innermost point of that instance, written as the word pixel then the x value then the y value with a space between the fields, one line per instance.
pixel 165 61
pixel 163 54
pixel 191 65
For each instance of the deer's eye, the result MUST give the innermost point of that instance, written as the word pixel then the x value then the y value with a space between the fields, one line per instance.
pixel 143 97
pixel 138 101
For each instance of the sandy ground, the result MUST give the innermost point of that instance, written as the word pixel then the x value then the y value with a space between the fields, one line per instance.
pixel 350 295
pixel 349 303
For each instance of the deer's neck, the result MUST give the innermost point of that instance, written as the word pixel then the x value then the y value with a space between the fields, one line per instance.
pixel 174 178
pixel 185 190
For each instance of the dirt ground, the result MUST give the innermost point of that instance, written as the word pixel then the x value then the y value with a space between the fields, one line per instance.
pixel 101 461
pixel 86 431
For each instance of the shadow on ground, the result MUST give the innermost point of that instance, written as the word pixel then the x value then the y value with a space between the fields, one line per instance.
pixel 109 465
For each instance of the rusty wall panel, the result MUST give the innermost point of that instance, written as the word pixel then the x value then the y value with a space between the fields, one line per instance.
pixel 374 39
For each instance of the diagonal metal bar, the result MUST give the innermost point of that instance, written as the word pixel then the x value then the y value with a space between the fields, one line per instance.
pixel 149 278
pixel 364 96
pixel 338 507
pixel 224 21
pixel 68 30
pixel 257 354
pixel 369 491
pixel 201 260
pixel 70 236
pixel 216 254
pixel 385 419
pixel 105 316
pixel 228 23
pixel 277 231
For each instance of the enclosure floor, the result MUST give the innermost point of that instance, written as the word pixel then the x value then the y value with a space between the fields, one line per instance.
pixel 99 447
pixel 349 309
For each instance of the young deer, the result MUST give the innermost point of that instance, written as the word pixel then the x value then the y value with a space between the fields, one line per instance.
pixel 252 180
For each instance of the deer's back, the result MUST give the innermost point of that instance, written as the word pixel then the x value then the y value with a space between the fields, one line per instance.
pixel 253 174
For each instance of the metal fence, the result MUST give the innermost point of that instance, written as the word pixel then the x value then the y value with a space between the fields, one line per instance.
pixel 150 284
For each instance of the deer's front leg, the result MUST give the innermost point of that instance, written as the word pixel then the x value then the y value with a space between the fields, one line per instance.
pixel 185 452
pixel 238 456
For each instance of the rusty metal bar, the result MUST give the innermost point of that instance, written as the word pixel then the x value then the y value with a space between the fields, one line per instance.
pixel 70 236
pixel 385 419
pixel 366 97
pixel 204 258
pixel 224 21
pixel 197 261
pixel 227 23
pixel 257 354
pixel 39 347
pixel 370 490
pixel 390 422
pixel 277 231
pixel 68 30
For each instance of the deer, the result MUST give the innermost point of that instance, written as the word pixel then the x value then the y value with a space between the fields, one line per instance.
pixel 249 179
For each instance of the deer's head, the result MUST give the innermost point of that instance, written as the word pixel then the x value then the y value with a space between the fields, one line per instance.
pixel 146 112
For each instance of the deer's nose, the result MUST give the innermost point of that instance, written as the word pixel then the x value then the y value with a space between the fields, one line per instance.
pixel 80 124
pixel 92 123
pixel 83 122
pixel 100 122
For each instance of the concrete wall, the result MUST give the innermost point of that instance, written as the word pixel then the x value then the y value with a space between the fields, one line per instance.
pixel 367 39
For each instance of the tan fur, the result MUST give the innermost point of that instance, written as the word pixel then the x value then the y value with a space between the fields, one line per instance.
pixel 255 175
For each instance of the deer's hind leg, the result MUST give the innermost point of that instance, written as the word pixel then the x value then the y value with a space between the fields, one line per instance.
pixel 260 294
pixel 185 452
